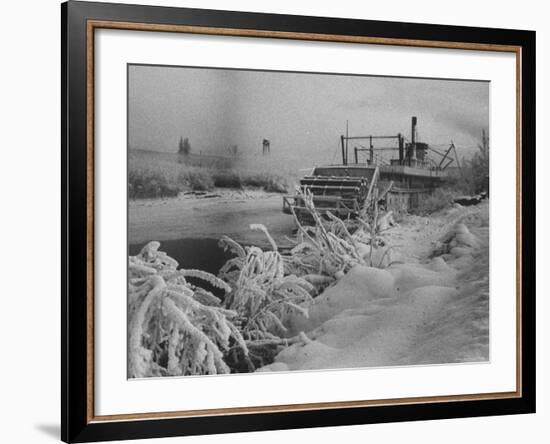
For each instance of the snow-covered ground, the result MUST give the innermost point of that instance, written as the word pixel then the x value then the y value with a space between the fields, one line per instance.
pixel 431 305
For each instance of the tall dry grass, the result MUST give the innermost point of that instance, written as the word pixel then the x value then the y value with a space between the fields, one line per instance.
pixel 152 174
pixel 439 199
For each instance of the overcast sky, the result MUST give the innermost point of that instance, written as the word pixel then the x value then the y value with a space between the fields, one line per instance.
pixel 302 115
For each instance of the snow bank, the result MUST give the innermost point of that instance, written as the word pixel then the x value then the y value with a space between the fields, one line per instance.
pixel 412 313
pixel 359 286
pixel 375 334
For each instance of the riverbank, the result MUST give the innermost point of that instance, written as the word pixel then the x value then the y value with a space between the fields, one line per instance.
pixel 209 216
pixel 428 303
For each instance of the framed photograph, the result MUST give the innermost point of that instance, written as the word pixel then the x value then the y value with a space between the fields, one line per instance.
pixel 276 221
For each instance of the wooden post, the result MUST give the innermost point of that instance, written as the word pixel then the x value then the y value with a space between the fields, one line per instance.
pixel 347 137
pixel 371 150
pixel 413 137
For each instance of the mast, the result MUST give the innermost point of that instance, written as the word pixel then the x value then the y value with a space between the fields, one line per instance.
pixel 347 137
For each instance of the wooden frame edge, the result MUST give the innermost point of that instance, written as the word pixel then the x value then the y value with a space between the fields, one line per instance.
pixel 95 24
pixel 286 408
pixel 90 253
pixel 237 32
pixel 519 220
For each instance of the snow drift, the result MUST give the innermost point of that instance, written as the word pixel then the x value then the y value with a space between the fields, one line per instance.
pixel 431 311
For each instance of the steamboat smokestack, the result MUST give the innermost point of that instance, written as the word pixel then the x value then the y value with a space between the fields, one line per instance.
pixel 413 137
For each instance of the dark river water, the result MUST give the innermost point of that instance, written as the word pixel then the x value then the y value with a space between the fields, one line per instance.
pixel 201 254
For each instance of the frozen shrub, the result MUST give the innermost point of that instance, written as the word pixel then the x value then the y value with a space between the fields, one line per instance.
pixel 261 292
pixel 269 182
pixel 263 295
pixel 227 179
pixel 147 184
pixel 199 180
pixel 276 184
pixel 439 199
pixel 175 328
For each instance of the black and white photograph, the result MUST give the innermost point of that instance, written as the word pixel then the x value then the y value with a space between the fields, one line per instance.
pixel 298 221
pixel 275 222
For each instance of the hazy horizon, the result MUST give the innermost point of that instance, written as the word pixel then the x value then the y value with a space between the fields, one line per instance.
pixel 302 114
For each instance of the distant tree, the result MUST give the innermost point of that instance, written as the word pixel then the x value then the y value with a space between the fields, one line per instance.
pixel 473 175
pixel 184 147
pixel 480 165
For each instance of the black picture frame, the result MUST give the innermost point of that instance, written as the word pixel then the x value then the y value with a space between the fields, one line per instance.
pixel 77 425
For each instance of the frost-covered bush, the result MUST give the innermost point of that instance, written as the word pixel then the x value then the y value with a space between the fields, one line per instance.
pixel 175 328
pixel 263 295
pixel 261 291
pixel 327 250
pixel 145 183
pixel 439 199
pixel 199 180
pixel 332 246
